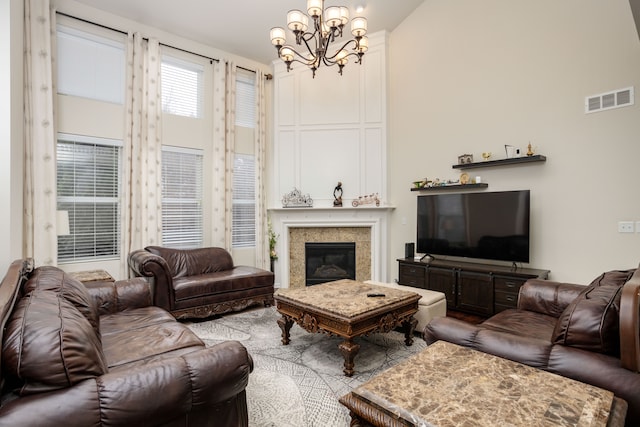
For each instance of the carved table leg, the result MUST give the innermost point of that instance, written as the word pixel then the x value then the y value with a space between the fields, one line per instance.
pixel 285 324
pixel 349 350
pixel 409 327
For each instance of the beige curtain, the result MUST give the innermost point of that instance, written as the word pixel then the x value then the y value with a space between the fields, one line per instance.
pixel 142 210
pixel 260 144
pixel 41 241
pixel 219 163
pixel 223 149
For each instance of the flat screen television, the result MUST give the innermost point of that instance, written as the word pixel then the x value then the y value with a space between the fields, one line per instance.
pixel 490 226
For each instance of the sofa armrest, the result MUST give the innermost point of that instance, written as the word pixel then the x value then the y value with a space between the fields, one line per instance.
pixel 629 324
pixel 111 297
pixel 144 263
pixel 151 394
pixel 547 297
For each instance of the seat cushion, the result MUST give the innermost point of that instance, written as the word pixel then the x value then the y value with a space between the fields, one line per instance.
pixel 591 321
pixel 236 279
pixel 137 342
pixel 523 323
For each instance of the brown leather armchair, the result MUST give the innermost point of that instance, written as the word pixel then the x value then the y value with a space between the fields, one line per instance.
pixel 198 283
pixel 587 333
pixel 78 355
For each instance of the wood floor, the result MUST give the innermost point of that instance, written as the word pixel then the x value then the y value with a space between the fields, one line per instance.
pixel 471 318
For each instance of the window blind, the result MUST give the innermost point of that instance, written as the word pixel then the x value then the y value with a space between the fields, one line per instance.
pixel 182 192
pixel 88 187
pixel 244 203
pixel 245 100
pixel 90 66
pixel 182 87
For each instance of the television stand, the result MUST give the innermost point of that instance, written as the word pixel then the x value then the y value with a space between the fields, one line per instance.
pixel 482 289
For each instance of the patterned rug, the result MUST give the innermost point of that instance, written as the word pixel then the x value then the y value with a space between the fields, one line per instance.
pixel 299 384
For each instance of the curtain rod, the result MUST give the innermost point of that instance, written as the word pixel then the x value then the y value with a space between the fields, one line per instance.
pixel 267 76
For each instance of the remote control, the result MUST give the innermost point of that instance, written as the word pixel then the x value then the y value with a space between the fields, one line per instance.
pixel 374 294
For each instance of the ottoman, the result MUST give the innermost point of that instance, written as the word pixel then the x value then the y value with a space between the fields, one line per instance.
pixel 432 304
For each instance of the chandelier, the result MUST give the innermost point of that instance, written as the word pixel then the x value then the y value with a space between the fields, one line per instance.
pixel 326 28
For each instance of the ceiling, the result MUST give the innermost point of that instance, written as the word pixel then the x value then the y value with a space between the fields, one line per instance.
pixel 242 27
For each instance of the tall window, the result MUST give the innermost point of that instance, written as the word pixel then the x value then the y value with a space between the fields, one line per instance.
pixel 88 186
pixel 182 204
pixel 243 232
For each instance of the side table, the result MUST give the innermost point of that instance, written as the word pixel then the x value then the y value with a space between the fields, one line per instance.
pixel 90 276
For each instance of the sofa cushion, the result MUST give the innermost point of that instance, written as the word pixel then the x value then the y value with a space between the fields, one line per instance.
pixel 47 278
pixel 192 262
pixel 591 321
pixel 49 344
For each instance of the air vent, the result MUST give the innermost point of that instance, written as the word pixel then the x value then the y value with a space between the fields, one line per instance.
pixel 607 101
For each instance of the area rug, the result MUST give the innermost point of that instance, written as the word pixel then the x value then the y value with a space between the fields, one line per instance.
pixel 298 385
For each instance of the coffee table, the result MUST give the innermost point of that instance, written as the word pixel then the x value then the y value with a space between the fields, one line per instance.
pixel 342 308
pixel 449 385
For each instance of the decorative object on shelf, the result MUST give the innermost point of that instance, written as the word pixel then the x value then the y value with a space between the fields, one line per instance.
pixel 465 158
pixel 419 184
pixel 337 195
pixel 464 178
pixel 529 150
pixel 296 199
pixel 327 27
pixel 486 155
pixel 510 151
pixel 367 200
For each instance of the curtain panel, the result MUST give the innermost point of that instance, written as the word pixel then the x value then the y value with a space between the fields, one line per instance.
pixel 141 217
pixel 41 240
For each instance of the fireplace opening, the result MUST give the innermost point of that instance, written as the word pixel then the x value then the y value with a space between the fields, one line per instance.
pixel 325 262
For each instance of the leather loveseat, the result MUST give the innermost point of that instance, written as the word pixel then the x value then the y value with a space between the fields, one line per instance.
pixel 587 333
pixel 104 355
pixel 198 283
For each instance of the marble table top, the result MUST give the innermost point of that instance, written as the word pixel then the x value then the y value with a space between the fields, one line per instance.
pixel 450 385
pixel 345 297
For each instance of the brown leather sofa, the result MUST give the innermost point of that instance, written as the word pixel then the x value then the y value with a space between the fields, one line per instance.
pixel 198 283
pixel 588 333
pixel 104 355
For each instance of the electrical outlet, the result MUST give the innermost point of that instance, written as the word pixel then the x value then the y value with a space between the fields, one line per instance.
pixel 625 226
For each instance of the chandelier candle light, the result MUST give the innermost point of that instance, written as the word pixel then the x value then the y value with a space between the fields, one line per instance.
pixel 327 27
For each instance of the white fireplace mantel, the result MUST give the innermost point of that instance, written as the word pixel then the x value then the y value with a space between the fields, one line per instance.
pixel 375 218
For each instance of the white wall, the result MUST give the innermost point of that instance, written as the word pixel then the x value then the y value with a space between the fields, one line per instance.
pixel 11 117
pixel 468 77
pixel 331 129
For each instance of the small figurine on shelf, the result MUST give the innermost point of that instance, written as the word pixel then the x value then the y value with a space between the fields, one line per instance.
pixel 337 195
pixel 529 150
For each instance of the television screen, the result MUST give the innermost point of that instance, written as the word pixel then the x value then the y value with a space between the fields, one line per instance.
pixel 492 225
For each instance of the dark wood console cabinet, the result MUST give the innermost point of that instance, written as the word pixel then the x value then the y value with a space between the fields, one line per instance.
pixel 482 289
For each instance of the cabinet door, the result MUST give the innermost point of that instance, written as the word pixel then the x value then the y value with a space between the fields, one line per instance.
pixel 475 293
pixel 412 275
pixel 443 280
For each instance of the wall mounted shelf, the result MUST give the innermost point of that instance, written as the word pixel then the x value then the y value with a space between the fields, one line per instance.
pixel 453 187
pixel 502 162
